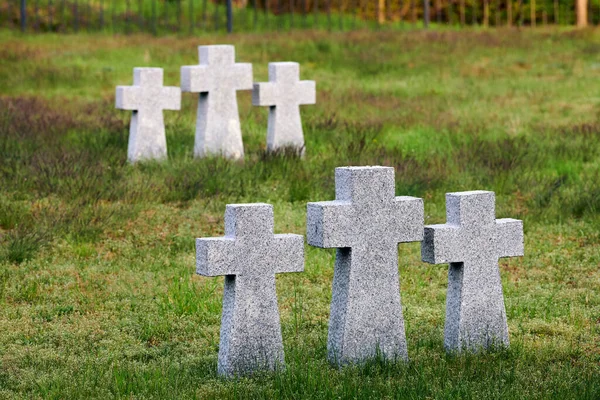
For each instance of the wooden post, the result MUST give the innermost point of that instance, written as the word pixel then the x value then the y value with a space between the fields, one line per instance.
pixel 509 16
pixel 556 11
pixel 425 14
pixel 154 13
pixel 532 13
pixel 229 13
pixel 582 19
pixel 486 13
pixel 23 16
pixel 76 15
pixel 463 18
pixel 101 22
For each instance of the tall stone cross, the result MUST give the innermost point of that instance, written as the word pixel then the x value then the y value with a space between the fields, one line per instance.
pixel 472 241
pixel 147 98
pixel 217 79
pixel 249 256
pixel 365 223
pixel 284 93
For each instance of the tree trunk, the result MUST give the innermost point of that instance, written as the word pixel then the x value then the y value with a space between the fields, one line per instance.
pixel 486 13
pixel 381 11
pixel 582 20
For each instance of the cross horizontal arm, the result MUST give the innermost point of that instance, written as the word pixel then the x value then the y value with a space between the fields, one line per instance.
pixel 264 94
pixel 170 98
pixel 410 216
pixel 215 256
pixel 288 251
pixel 306 92
pixel 242 76
pixel 329 224
pixel 441 244
pixel 196 78
pixel 154 98
pixel 509 237
pixel 127 98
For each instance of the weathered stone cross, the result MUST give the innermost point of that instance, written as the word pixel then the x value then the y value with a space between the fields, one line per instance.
pixel 366 223
pixel 217 79
pixel 472 241
pixel 147 98
pixel 284 93
pixel 249 256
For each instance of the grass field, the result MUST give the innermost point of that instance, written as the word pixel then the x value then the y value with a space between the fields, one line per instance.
pixel 98 297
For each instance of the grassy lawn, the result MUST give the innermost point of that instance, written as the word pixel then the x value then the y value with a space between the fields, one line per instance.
pixel 98 297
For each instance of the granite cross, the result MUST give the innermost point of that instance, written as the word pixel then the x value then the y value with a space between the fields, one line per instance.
pixel 217 79
pixel 284 93
pixel 365 223
pixel 249 256
pixel 147 98
pixel 472 241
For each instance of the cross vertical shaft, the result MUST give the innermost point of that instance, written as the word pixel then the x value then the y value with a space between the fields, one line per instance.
pixel 250 328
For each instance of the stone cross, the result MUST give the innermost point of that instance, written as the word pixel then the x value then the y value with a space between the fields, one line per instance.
pixel 249 256
pixel 472 241
pixel 365 223
pixel 217 79
pixel 147 98
pixel 284 93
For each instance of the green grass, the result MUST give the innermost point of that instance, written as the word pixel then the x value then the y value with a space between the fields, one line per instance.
pixel 98 297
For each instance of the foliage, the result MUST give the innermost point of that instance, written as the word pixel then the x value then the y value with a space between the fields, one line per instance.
pixel 161 17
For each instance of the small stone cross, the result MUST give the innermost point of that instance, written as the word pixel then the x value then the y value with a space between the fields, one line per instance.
pixel 217 79
pixel 472 241
pixel 147 98
pixel 284 93
pixel 365 223
pixel 249 256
